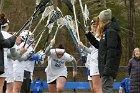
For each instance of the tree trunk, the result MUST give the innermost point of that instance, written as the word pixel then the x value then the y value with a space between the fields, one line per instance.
pixel 132 32
pixel 1 5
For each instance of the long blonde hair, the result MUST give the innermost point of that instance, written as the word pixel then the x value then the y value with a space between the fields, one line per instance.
pixel 94 23
pixel 100 28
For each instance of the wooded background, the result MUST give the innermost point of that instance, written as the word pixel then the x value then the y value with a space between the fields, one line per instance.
pixel 126 11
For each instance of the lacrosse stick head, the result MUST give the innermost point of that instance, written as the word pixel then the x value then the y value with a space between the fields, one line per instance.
pixel 69 22
pixel 58 9
pixel 61 21
pixel 73 2
pixel 70 25
pixel 54 16
pixel 43 4
pixel 47 11
pixel 68 19
pixel 86 13
pixel 50 26
pixel 25 34
pixel 37 2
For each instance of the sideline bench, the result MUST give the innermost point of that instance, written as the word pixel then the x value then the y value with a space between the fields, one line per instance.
pixel 80 85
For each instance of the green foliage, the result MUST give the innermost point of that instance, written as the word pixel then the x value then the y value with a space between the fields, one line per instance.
pixel 7 4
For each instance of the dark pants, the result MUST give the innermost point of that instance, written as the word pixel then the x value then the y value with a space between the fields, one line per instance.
pixel 26 83
pixel 107 84
pixel 4 87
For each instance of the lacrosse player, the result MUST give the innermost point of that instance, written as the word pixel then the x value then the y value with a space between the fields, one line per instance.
pixel 56 70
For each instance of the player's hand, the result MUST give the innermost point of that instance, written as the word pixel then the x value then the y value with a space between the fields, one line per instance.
pixel 52 42
pixel 23 49
pixel 80 44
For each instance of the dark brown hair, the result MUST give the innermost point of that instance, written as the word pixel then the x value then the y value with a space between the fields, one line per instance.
pixel 61 46
pixel 2 16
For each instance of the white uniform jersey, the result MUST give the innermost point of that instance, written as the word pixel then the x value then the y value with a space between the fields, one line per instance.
pixel 87 64
pixel 10 77
pixel 29 65
pixel 5 35
pixel 93 58
pixel 19 67
pixel 56 66
pixel 11 62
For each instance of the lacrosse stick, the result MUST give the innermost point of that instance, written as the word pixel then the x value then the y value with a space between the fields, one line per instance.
pixel 55 16
pixel 45 47
pixel 76 25
pixel 85 12
pixel 47 12
pixel 37 2
pixel 53 37
pixel 69 25
pixel 42 35
pixel 56 31
pixel 42 32
pixel 80 2
pixel 26 39
pixel 39 40
pixel 39 9
pixel 81 6
pixel 60 23
pixel 86 15
pixel 72 31
pixel 42 4
pixel 29 28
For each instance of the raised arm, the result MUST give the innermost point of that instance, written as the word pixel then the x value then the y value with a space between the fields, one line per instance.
pixel 92 39
pixel 7 43
pixel 86 49
pixel 52 42
pixel 26 56
pixel 17 53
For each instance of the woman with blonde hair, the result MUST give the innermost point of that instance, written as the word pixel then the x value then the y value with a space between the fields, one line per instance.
pixel 92 59
pixel 109 48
